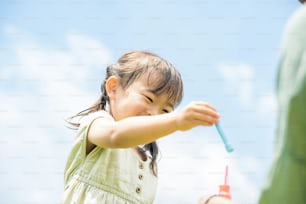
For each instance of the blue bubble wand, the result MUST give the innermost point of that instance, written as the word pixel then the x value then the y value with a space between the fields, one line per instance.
pixel 228 147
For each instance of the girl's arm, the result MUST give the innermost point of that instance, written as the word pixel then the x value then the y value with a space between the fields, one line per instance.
pixel 136 130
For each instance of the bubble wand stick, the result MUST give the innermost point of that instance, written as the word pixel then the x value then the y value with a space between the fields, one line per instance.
pixel 226 176
pixel 228 147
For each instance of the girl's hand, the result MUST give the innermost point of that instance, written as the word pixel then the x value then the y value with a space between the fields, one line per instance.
pixel 195 114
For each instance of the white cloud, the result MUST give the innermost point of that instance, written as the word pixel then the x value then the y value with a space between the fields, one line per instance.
pixel 89 50
pixel 267 105
pixel 31 151
pixel 240 78
pixel 78 63
pixel 12 30
pixel 48 86
pixel 62 76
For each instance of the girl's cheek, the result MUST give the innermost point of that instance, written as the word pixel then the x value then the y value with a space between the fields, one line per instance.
pixel 140 105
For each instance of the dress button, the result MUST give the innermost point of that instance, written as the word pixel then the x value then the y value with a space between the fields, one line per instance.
pixel 140 176
pixel 141 165
pixel 138 190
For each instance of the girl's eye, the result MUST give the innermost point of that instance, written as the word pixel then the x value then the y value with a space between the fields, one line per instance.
pixel 149 99
pixel 165 111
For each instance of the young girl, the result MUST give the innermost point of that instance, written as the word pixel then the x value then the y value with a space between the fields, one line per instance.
pixel 114 156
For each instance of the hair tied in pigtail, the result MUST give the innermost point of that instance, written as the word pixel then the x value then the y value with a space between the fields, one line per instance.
pixel 107 71
pixel 104 100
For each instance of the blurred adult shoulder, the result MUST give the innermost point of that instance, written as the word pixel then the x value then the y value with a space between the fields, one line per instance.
pixel 296 24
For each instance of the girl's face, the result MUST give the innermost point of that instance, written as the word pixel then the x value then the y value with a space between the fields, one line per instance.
pixel 136 100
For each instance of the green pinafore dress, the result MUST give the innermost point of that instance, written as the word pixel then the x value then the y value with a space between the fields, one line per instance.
pixel 111 176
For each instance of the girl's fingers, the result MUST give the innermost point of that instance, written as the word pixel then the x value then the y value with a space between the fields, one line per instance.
pixel 203 123
pixel 205 118
pixel 207 111
pixel 206 105
pixel 200 113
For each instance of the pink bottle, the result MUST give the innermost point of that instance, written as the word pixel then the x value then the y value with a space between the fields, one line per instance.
pixel 224 190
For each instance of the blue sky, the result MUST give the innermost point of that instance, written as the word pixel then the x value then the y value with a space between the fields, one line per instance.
pixel 53 56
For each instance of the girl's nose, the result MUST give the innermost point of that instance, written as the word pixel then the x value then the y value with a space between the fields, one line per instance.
pixel 153 111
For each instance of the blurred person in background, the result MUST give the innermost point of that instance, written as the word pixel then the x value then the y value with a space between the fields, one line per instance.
pixel 286 182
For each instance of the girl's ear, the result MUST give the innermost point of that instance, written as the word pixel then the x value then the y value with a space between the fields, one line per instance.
pixel 111 85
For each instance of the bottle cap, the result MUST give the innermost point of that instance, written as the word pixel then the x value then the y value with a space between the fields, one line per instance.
pixel 224 191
